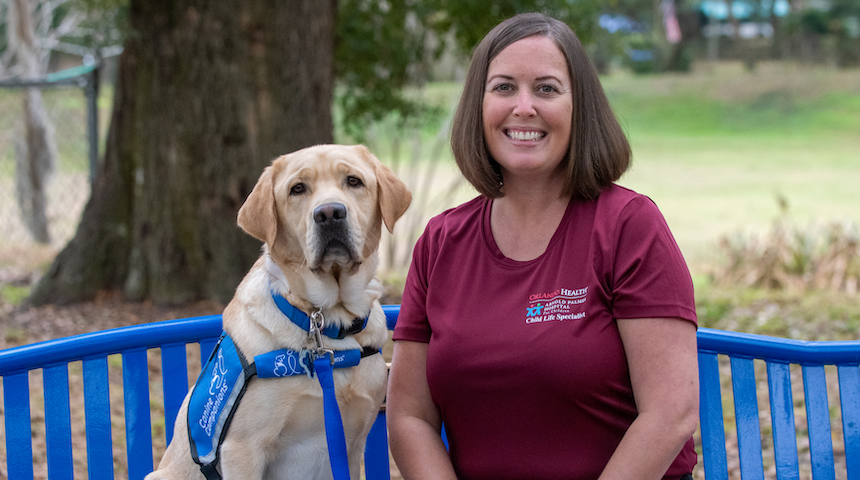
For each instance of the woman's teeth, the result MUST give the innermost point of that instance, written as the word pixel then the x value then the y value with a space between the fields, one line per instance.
pixel 524 136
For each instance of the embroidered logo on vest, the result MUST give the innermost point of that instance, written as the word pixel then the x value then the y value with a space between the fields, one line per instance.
pixel 221 382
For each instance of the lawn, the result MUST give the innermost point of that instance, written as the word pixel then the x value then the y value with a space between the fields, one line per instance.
pixel 716 148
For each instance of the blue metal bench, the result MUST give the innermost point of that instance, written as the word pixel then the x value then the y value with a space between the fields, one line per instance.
pixel 742 352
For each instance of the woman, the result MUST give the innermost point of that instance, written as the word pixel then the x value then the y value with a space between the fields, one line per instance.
pixel 550 322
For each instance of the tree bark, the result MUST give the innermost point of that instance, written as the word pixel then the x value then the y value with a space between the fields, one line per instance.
pixel 36 152
pixel 207 94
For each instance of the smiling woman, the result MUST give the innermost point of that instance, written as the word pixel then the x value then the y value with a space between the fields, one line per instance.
pixel 536 137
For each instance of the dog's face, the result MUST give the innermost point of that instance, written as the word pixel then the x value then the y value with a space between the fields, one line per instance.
pixel 324 206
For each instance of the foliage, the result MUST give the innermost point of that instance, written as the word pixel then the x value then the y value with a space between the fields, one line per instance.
pixel 791 257
pixel 815 316
pixel 77 27
pixel 383 46
pixel 471 20
pixel 105 23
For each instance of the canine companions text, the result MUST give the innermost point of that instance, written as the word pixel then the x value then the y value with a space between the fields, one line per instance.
pixel 320 213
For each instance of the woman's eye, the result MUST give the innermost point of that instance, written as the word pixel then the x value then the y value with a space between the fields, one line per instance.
pixel 547 89
pixel 503 88
pixel 298 189
pixel 354 181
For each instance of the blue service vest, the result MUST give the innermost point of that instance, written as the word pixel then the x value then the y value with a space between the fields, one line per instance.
pixel 222 384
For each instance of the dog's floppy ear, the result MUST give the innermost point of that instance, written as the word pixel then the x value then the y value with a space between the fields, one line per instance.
pixel 258 215
pixel 394 197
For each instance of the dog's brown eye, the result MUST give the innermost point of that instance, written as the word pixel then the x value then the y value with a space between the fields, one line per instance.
pixel 354 181
pixel 298 189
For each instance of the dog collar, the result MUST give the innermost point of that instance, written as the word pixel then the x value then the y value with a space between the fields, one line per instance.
pixel 303 321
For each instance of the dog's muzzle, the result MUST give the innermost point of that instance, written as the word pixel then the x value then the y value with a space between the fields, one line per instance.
pixel 332 234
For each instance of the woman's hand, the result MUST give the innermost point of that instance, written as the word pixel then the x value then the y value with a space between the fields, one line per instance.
pixel 414 423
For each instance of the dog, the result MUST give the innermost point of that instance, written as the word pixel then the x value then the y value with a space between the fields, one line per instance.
pixel 319 212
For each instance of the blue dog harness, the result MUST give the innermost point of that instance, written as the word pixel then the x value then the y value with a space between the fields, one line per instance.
pixel 225 377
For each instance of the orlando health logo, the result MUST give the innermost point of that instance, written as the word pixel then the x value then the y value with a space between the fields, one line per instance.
pixel 563 304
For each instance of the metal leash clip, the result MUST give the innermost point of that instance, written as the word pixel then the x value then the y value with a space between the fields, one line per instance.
pixel 316 325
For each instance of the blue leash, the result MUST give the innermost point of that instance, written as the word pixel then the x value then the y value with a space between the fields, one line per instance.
pixel 324 362
pixel 335 437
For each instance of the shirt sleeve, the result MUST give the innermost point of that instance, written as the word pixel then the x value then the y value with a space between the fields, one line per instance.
pixel 412 322
pixel 650 277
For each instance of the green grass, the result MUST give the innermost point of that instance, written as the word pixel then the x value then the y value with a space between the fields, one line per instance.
pixel 768 114
pixel 13 294
pixel 715 149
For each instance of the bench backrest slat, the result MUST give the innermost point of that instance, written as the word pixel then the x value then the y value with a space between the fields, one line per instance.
pixel 849 397
pixel 206 348
pixel 19 432
pixel 747 418
pixel 376 452
pixel 711 418
pixel 818 421
pixel 138 423
pixel 172 339
pixel 58 428
pixel 174 381
pixel 97 411
pixel 782 419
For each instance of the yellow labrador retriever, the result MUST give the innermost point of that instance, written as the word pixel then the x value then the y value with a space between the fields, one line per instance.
pixel 320 212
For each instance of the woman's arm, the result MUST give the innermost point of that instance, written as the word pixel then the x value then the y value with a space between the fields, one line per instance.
pixel 663 361
pixel 414 424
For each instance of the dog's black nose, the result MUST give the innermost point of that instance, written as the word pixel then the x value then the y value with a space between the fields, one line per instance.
pixel 328 213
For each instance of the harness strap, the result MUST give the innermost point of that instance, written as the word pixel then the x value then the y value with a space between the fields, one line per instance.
pixel 210 471
pixel 288 363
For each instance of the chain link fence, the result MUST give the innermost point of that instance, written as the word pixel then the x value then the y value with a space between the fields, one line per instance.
pixel 70 112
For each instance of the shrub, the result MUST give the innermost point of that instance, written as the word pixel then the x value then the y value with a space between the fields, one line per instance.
pixel 820 256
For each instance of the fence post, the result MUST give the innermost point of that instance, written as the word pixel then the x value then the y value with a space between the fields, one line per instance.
pixel 91 91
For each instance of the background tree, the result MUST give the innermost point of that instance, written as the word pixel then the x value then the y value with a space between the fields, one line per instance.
pixel 208 93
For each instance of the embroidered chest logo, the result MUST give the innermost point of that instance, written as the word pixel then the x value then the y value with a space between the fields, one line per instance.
pixel 563 304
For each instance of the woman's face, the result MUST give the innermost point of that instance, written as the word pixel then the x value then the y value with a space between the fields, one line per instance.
pixel 527 110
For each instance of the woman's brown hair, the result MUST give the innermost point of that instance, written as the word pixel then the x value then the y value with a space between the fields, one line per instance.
pixel 598 153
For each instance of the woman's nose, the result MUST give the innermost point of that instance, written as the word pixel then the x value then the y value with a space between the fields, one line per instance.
pixel 524 106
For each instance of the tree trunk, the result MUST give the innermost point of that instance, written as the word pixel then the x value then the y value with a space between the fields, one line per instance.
pixel 36 153
pixel 35 160
pixel 207 94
